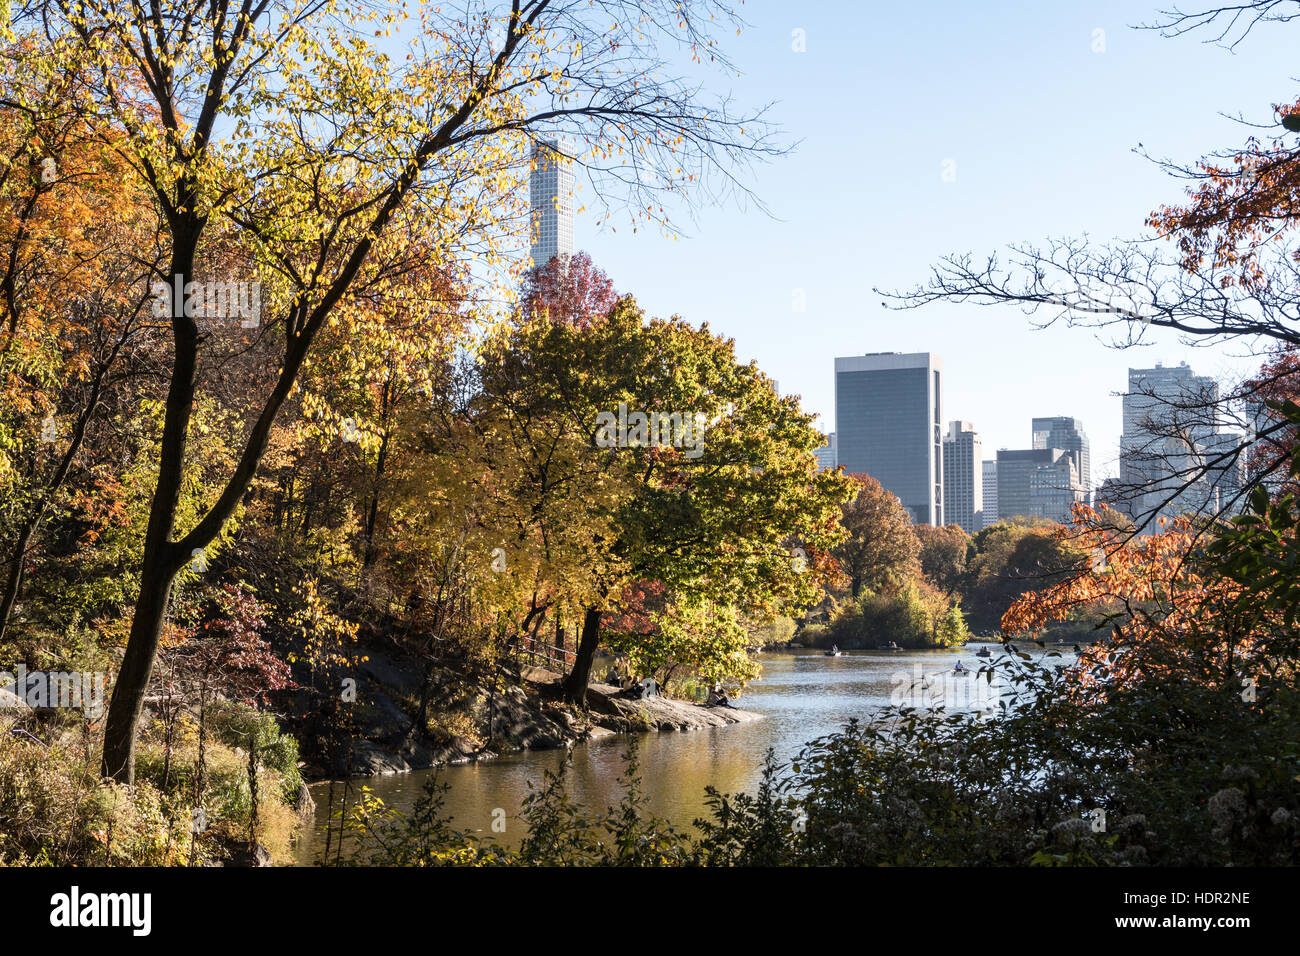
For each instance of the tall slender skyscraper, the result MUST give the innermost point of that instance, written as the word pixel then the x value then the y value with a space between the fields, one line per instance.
pixel 990 470
pixel 551 196
pixel 889 425
pixel 963 478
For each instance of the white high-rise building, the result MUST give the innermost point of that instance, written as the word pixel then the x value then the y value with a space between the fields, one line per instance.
pixel 551 196
pixel 990 470
pixel 963 479
pixel 1067 434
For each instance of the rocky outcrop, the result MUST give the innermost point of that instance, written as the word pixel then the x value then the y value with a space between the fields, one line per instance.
pixel 660 713
pixel 527 715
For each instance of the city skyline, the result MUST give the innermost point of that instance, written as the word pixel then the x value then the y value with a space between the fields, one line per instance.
pixel 952 102
pixel 1042 479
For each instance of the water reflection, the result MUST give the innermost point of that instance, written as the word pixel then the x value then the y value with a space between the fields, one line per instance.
pixel 802 695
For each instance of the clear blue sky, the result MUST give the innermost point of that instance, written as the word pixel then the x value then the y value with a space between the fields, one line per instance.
pixel 1041 130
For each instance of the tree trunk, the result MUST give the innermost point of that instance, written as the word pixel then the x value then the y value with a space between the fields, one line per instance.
pixel 14 579
pixel 162 557
pixel 372 513
pixel 133 678
pixel 575 686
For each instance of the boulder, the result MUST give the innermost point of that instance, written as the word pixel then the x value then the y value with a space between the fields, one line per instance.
pixel 255 855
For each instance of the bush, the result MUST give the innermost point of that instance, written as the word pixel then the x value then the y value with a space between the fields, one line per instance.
pixel 814 635
pixel 916 615
pixel 54 809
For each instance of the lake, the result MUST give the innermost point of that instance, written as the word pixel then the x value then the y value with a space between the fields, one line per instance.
pixel 802 695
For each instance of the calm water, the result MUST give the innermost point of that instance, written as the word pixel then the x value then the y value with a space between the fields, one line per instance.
pixel 802 695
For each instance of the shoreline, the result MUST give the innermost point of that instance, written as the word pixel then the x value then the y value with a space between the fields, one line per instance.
pixel 531 718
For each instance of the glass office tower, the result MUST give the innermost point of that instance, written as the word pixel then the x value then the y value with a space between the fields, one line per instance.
pixel 889 425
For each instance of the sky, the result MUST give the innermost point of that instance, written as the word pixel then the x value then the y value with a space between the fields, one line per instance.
pixel 1039 126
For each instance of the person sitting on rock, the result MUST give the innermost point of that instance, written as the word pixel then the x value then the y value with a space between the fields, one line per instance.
pixel 718 697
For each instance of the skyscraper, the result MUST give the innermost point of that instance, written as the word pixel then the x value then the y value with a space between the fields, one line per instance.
pixel 550 190
pixel 1066 433
pixel 826 453
pixel 1038 483
pixel 888 424
pixel 990 469
pixel 963 478
pixel 1170 440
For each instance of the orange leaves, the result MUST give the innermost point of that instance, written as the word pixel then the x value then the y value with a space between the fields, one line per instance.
pixel 1240 205
pixel 1121 572
pixel 1170 612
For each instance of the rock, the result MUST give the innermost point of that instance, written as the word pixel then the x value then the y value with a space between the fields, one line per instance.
pixel 399 676
pixel 256 855
pixel 539 675
pixel 663 713
pixel 303 804
pixel 11 701
pixel 370 759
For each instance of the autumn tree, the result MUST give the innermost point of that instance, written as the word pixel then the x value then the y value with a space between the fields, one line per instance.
pixel 265 119
pixel 881 551
pixel 567 289
pixel 943 555
pixel 1012 558
pixel 77 250
pixel 733 513
pixel 1209 606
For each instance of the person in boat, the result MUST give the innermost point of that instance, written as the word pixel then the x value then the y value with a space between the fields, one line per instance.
pixel 835 648
pixel 960 668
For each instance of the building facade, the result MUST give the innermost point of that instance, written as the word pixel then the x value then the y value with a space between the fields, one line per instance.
pixel 826 453
pixel 1174 457
pixel 1061 431
pixel 551 199
pixel 888 424
pixel 1038 483
pixel 963 477
pixel 990 474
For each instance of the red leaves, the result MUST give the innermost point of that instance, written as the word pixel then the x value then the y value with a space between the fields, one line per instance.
pixel 571 291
